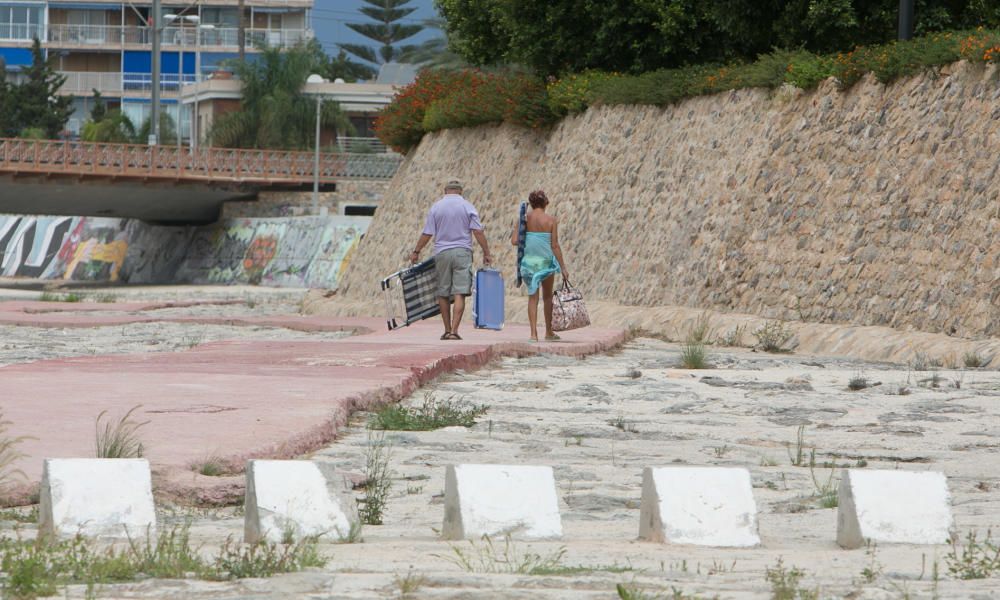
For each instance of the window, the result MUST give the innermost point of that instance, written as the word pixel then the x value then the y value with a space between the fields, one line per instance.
pixel 20 22
pixel 221 17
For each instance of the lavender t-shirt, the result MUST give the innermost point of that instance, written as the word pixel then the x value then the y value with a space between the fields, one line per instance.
pixel 451 221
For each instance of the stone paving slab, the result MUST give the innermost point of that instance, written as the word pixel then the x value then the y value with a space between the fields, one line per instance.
pixel 239 399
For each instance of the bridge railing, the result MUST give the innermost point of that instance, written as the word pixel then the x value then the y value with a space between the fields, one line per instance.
pixel 169 162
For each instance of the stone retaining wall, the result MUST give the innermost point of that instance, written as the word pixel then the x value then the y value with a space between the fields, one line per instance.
pixel 878 206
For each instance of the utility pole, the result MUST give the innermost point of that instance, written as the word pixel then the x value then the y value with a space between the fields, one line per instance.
pixel 907 9
pixel 154 30
pixel 241 34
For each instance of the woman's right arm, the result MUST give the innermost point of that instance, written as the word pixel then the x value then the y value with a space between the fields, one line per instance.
pixel 557 250
pixel 513 235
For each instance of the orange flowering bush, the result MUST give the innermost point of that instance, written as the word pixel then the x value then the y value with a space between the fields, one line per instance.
pixel 981 45
pixel 400 124
pixel 443 100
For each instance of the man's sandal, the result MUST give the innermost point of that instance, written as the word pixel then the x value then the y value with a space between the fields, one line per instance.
pixel 453 336
pixel 446 335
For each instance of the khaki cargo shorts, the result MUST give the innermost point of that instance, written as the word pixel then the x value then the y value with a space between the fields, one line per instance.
pixel 454 272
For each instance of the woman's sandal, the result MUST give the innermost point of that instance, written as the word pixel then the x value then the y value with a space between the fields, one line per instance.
pixel 453 336
pixel 552 338
pixel 446 335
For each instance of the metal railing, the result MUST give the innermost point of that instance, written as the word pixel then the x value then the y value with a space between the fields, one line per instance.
pixel 143 82
pixel 191 164
pixel 112 35
pixel 361 145
pixel 83 82
pixel 22 32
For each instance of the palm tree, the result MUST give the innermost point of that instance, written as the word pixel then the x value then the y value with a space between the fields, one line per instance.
pixel 274 113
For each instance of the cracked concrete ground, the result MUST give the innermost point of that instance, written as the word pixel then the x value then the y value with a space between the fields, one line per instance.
pixel 600 421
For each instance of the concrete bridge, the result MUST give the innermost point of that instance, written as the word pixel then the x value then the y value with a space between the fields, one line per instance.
pixel 160 183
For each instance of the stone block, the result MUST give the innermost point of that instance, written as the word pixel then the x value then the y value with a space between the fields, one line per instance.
pixel 889 506
pixel 106 498
pixel 703 506
pixel 291 500
pixel 499 500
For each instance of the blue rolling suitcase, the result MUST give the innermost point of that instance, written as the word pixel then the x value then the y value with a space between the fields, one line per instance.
pixel 487 304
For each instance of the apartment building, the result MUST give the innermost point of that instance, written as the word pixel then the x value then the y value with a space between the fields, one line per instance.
pixel 105 45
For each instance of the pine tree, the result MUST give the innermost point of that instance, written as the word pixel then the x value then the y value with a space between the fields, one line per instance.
pixel 39 105
pixel 386 30
pixel 100 109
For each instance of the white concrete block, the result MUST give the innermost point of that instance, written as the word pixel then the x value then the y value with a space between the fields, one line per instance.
pixel 110 498
pixel 704 506
pixel 498 500
pixel 888 506
pixel 293 499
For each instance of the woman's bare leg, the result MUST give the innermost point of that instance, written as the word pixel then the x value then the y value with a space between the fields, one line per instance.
pixel 533 314
pixel 547 286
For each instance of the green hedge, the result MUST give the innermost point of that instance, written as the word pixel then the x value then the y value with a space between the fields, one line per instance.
pixel 466 98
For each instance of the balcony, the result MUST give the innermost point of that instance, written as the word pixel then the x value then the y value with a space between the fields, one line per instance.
pixel 21 32
pixel 96 36
pixel 82 83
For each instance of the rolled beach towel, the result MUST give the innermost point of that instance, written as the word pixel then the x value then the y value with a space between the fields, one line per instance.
pixel 522 232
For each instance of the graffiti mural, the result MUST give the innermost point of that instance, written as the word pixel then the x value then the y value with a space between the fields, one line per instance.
pixel 280 252
pixel 77 248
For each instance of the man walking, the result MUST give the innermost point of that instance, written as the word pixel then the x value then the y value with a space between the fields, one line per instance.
pixel 452 221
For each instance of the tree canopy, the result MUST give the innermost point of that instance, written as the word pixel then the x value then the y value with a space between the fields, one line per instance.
pixel 559 36
pixel 34 108
pixel 274 113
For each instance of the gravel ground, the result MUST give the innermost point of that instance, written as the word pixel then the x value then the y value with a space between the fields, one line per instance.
pixel 599 422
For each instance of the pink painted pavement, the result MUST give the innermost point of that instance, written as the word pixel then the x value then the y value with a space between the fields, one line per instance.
pixel 233 400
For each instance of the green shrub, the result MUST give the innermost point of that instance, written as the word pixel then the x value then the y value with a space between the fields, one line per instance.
pixel 448 99
pixel 432 414
pixel 491 98
pixel 574 93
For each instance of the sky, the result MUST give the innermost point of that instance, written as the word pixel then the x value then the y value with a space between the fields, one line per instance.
pixel 330 16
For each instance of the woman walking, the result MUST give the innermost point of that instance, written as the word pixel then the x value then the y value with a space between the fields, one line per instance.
pixel 542 260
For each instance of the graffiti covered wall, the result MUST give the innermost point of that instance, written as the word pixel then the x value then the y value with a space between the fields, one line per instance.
pixel 281 252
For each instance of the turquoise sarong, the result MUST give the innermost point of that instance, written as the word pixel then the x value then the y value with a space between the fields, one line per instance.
pixel 539 263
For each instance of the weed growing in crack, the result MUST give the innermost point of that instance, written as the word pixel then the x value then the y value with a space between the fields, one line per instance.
pixel 973 360
pixel 378 479
pixel 700 332
pixel 976 559
pixel 432 414
pixel 798 457
pixel 734 337
pixel 633 592
pixel 121 439
pixel 858 382
pixel 239 561
pixel 694 356
pixel 785 583
pixel 621 424
pixel 772 336
pixel 487 557
pixel 33 568
pixel 873 569
pixel 721 451
pixel 410 583
pixel 9 454
pixel 213 466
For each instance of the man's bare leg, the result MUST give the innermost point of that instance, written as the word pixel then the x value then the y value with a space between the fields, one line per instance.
pixel 445 313
pixel 457 312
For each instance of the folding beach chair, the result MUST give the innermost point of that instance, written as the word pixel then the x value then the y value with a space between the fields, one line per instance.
pixel 410 295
